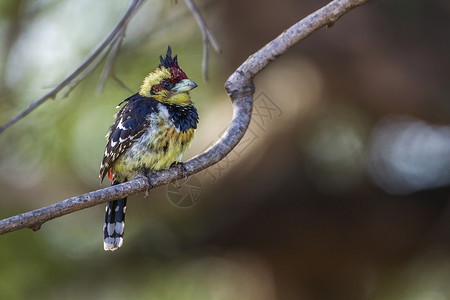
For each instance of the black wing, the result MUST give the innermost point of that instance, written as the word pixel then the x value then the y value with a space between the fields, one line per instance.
pixel 131 123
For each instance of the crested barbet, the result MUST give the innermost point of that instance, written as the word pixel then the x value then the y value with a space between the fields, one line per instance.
pixel 150 133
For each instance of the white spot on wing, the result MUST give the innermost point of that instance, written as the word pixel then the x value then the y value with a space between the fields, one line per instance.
pixel 120 125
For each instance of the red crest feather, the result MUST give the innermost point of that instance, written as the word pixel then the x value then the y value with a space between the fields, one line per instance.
pixel 172 65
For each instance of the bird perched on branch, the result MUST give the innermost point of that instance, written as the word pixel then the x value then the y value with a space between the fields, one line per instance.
pixel 150 133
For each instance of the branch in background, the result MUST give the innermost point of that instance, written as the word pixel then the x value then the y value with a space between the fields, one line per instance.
pixel 121 84
pixel 208 37
pixel 240 88
pixel 108 69
pixel 74 78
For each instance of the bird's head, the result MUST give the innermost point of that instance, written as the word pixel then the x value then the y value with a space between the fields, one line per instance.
pixel 168 83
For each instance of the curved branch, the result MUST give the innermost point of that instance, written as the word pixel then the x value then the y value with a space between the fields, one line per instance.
pixel 240 88
pixel 115 34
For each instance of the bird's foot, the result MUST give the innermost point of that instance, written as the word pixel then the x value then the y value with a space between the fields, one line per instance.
pixel 146 176
pixel 182 167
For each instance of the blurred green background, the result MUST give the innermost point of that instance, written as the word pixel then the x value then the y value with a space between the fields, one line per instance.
pixel 339 190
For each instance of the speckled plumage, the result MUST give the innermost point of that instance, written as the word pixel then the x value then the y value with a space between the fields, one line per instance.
pixel 151 132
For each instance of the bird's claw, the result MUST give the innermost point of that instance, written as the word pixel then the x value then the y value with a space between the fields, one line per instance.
pixel 182 167
pixel 146 176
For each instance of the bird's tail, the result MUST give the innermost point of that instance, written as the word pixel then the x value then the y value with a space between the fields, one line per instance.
pixel 114 224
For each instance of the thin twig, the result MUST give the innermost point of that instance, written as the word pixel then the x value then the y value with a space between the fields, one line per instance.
pixel 240 89
pixel 205 60
pixel 132 9
pixel 121 84
pixel 109 64
pixel 208 37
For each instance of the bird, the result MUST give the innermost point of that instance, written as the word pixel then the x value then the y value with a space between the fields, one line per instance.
pixel 150 133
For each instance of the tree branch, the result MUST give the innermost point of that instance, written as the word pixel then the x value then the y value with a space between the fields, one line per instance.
pixel 208 37
pixel 240 89
pixel 115 34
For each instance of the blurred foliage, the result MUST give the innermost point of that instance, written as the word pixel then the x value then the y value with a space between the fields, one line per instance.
pixel 339 190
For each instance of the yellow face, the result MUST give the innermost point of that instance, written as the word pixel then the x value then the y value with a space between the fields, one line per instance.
pixel 163 87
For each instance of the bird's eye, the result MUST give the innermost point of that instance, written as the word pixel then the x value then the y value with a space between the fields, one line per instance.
pixel 167 84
